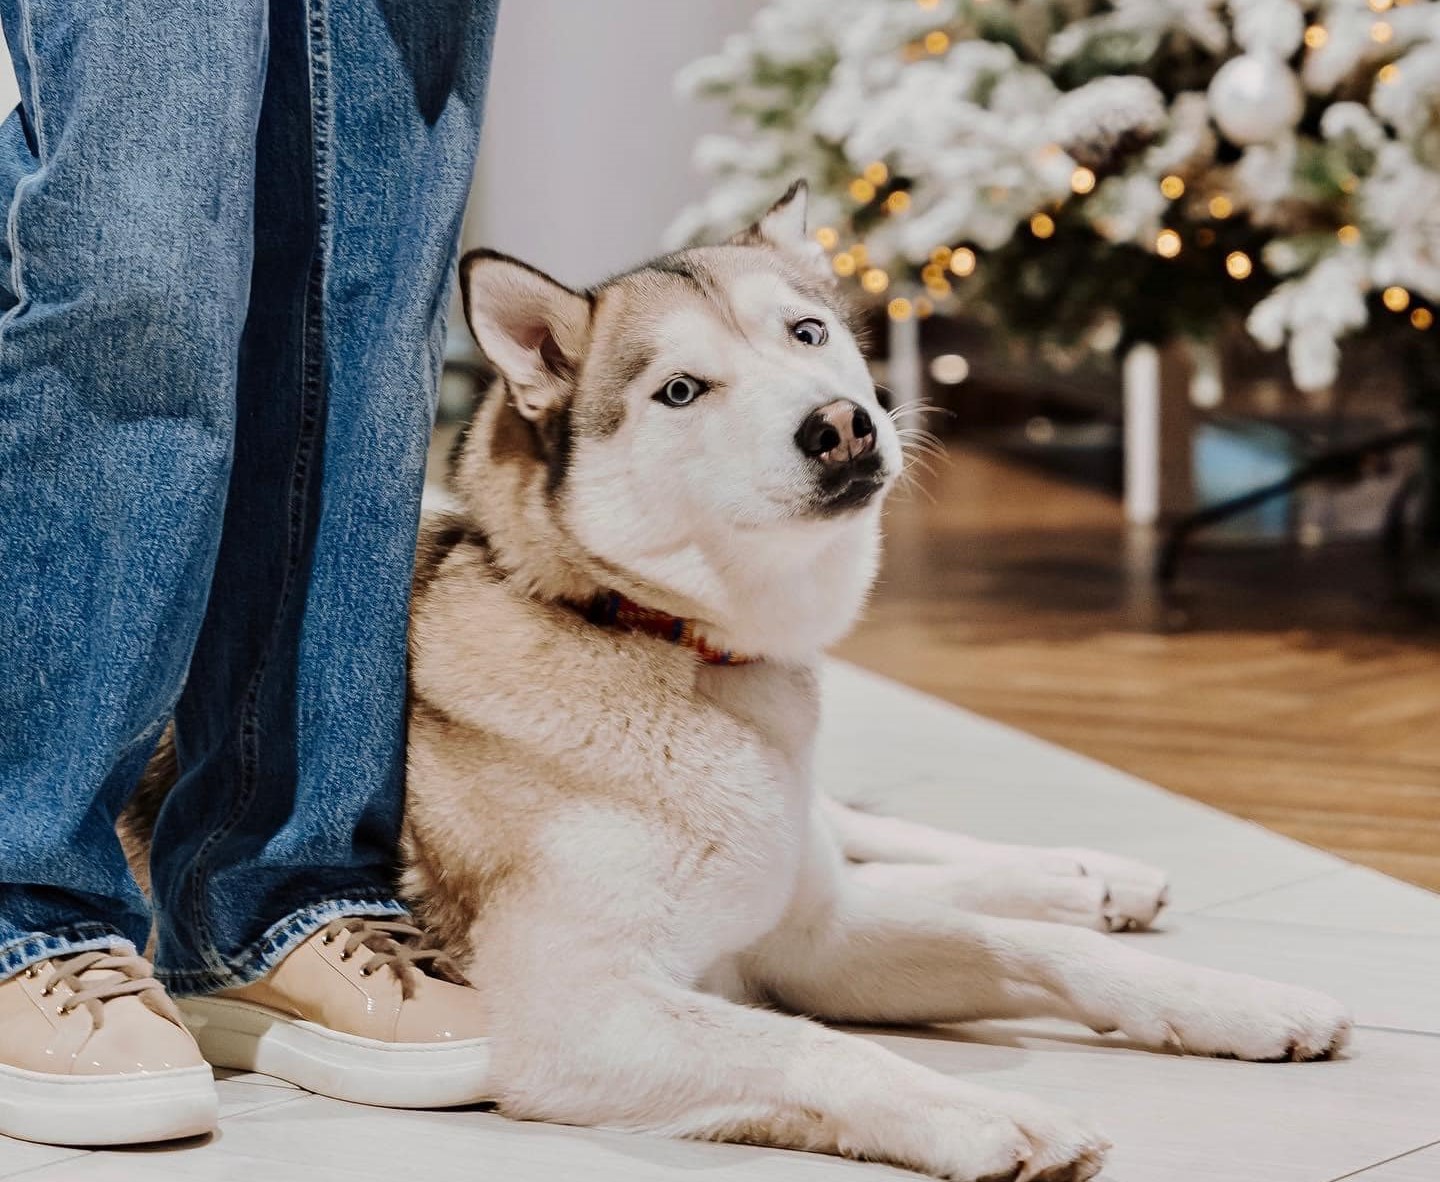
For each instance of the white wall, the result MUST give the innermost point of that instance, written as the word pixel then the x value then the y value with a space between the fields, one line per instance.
pixel 9 92
pixel 586 156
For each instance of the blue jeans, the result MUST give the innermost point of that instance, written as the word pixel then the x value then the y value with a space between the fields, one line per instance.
pixel 228 253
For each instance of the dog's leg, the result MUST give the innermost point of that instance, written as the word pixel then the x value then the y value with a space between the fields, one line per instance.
pixel 647 1056
pixel 873 957
pixel 1075 886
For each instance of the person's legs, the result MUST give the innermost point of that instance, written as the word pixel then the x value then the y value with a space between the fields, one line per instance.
pixel 127 178
pixel 291 730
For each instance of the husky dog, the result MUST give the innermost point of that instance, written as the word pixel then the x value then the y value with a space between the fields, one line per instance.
pixel 668 508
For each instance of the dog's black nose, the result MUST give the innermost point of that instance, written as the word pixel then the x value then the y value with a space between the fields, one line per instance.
pixel 836 433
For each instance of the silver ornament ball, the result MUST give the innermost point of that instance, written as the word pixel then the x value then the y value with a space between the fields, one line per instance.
pixel 1254 98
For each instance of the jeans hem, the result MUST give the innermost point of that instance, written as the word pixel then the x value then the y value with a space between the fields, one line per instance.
pixel 275 945
pixel 76 937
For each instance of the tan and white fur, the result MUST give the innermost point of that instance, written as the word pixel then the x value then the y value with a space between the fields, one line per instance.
pixel 624 846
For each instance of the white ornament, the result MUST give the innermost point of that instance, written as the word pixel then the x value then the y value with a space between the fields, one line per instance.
pixel 1255 98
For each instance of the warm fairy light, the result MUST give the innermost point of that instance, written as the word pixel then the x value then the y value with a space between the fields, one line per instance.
pixel 1389 73
pixel 1221 206
pixel 932 273
pixel 940 289
pixel 1397 299
pixel 949 369
pixel 874 280
pixel 937 41
pixel 900 308
pixel 927 5
pixel 827 237
pixel 1238 264
pixel 1349 235
pixel 923 308
pixel 1381 5
pixel 898 201
pixel 1381 32
pixel 876 173
pixel 844 264
pixel 1042 225
pixel 862 190
pixel 1349 184
pixel 1422 318
pixel 1316 36
pixel 1082 180
pixel 1172 187
pixel 962 262
pixel 941 255
pixel 1167 244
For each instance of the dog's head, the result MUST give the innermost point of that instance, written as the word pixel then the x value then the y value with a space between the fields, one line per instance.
pixel 701 431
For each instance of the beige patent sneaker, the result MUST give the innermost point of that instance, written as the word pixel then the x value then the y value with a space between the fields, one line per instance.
pixel 93 1052
pixel 363 1011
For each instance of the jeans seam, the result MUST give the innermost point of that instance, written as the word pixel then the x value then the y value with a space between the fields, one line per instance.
pixel 84 936
pixel 27 44
pixel 312 397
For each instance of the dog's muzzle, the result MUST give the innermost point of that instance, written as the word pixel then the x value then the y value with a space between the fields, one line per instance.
pixel 840 438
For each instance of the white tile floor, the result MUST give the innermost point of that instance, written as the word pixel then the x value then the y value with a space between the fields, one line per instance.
pixel 1244 898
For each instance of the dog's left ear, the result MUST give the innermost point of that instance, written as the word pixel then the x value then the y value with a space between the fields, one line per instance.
pixel 783 227
pixel 533 329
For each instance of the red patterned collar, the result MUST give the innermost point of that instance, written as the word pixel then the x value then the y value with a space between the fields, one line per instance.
pixel 610 609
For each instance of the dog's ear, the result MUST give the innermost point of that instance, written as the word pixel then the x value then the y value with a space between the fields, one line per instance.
pixel 783 227
pixel 533 329
pixel 783 224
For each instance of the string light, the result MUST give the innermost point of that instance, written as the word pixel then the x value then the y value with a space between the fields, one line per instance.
pixel 1381 32
pixel 827 237
pixel 1238 264
pixel 1422 318
pixel 937 41
pixel 1389 73
pixel 1221 206
pixel 962 262
pixel 939 289
pixel 862 190
pixel 1316 36
pixel 900 308
pixel 860 253
pixel 927 5
pixel 1397 299
pixel 1082 180
pixel 874 280
pixel 1042 225
pixel 1348 235
pixel 876 173
pixel 898 201
pixel 1167 244
pixel 949 369
pixel 932 273
pixel 941 256
pixel 844 264
pixel 1349 184
pixel 1381 5
pixel 1172 187
pixel 923 308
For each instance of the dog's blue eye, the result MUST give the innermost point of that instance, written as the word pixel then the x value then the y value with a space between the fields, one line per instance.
pixel 680 391
pixel 810 331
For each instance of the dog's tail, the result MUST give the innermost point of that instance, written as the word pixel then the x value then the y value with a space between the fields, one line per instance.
pixel 137 821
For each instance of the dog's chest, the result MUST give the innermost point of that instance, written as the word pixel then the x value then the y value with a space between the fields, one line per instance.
pixel 754 879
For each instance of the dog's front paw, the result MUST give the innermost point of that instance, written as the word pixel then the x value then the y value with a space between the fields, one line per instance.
pixel 1015 1143
pixel 1135 893
pixel 1238 1017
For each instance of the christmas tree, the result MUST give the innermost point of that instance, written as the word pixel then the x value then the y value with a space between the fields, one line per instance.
pixel 1101 173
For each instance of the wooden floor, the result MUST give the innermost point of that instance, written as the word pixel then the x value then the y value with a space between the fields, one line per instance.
pixel 1284 687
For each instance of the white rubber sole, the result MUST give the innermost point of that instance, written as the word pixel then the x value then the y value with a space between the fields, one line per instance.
pixel 247 1037
pixel 87 1110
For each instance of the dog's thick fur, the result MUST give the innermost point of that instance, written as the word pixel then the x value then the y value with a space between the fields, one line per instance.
pixel 622 845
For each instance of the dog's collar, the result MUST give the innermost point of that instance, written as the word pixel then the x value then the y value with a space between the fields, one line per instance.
pixel 610 609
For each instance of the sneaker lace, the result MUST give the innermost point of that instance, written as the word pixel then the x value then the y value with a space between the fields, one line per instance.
pixel 402 947
pixel 124 976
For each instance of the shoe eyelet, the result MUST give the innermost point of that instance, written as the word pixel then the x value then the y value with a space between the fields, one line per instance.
pixel 327 939
pixel 345 956
pixel 64 1010
pixel 47 991
pixel 31 973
